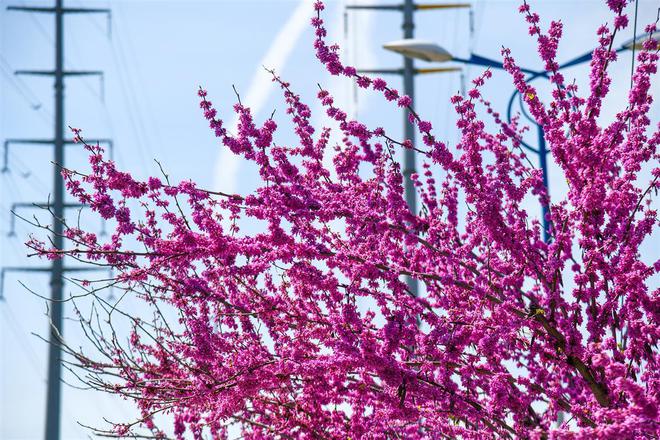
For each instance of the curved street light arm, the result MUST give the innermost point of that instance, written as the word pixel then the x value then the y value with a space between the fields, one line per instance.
pixel 478 60
pixel 509 112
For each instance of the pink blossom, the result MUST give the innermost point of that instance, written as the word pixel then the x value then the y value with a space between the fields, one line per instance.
pixel 303 326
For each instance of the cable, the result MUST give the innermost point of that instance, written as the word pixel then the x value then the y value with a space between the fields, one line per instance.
pixel 24 344
pixel 140 84
pixel 128 94
pixel 24 91
pixel 33 359
pixel 20 85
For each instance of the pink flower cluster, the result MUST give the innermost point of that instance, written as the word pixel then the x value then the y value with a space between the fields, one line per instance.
pixel 307 329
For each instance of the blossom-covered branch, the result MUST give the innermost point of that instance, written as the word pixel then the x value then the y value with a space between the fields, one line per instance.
pixel 306 328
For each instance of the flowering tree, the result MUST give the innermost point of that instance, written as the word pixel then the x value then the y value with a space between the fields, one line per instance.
pixel 308 330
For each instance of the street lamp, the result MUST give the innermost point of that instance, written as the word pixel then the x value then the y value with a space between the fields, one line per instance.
pixel 420 49
pixel 430 51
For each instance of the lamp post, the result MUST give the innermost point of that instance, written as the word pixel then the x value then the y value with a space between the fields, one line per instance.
pixel 430 51
pixel 408 72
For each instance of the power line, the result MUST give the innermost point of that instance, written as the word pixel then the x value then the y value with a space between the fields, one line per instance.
pixel 23 90
pixel 124 52
pixel 25 346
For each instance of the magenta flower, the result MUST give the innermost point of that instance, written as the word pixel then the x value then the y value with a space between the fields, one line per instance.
pixel 303 326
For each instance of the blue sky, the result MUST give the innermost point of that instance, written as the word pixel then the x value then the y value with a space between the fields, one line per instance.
pixel 154 58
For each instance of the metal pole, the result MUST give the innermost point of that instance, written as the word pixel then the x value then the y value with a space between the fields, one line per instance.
pixel 543 162
pixel 57 204
pixel 53 398
pixel 541 151
pixel 408 128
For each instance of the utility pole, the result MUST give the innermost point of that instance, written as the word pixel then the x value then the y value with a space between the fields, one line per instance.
pixel 408 72
pixel 57 269
pixel 408 128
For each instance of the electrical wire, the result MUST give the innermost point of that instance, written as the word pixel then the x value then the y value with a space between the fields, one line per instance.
pixel 22 88
pixel 129 101
pixel 33 359
pixel 141 86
